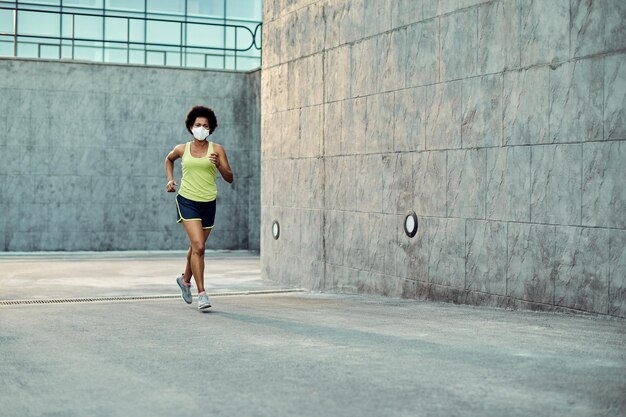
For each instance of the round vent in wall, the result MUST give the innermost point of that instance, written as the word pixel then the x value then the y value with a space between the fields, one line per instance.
pixel 410 224
pixel 275 229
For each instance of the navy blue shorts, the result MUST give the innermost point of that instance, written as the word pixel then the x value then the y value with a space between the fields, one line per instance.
pixel 195 210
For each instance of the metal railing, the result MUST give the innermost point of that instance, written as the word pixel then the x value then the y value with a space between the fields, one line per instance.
pixel 244 40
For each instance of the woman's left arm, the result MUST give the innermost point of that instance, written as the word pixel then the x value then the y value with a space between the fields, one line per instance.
pixel 220 160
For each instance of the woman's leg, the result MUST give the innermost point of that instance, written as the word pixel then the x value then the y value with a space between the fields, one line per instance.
pixel 197 243
pixel 188 274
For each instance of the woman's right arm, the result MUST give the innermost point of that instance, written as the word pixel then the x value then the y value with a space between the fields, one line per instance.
pixel 176 153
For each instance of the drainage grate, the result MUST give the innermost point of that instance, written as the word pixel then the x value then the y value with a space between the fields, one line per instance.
pixel 140 297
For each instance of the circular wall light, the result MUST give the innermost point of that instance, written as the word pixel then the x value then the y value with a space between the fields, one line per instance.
pixel 410 224
pixel 275 229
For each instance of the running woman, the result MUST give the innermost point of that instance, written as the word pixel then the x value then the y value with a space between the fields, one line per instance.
pixel 196 198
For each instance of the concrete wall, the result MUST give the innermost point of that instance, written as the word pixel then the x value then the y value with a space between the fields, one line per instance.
pixel 501 123
pixel 82 148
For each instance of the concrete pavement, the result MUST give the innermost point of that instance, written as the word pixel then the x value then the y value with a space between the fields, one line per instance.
pixel 297 354
pixel 53 275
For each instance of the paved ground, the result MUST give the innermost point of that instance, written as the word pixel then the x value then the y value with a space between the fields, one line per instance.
pixel 27 276
pixel 290 354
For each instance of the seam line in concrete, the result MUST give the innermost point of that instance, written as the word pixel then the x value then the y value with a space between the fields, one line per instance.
pixel 141 297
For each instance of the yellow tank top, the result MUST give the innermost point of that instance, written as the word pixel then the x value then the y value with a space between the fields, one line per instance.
pixel 198 182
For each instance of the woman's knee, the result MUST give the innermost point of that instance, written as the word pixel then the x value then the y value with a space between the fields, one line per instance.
pixel 197 248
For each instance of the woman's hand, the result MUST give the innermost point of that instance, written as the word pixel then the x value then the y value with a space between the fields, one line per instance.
pixel 171 186
pixel 215 158
pixel 219 158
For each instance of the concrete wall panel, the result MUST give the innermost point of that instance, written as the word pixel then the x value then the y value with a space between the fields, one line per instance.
pixel 508 183
pixel 544 31
pixel 604 186
pixel 337 72
pixel 614 30
pixel 405 12
pixel 615 97
pixel 353 126
pixel 333 237
pixel 482 112
pixel 526 104
pixel 446 260
pixel 458 43
pixel 556 195
pixel 363 68
pixel 498 36
pixel 430 183
pixel 379 119
pixel 398 183
pixel 332 126
pixel 582 277
pixel 576 101
pixel 531 266
pixel 467 183
pixel 409 133
pixel 422 49
pixel 485 256
pixel 443 116
pixel 587 27
pixel 369 183
pixel 617 273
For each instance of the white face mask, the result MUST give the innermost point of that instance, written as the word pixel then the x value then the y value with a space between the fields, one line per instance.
pixel 200 132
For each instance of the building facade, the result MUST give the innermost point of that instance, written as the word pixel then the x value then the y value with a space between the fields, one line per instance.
pixel 222 34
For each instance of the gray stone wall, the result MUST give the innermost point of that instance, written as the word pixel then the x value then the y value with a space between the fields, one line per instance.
pixel 501 123
pixel 82 148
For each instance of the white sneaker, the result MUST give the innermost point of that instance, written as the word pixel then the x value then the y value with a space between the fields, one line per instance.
pixel 203 302
pixel 185 290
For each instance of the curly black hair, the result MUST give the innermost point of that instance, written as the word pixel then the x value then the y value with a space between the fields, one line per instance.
pixel 201 111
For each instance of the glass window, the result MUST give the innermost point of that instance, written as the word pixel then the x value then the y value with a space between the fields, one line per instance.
pixel 155 58
pixel 38 23
pixel 116 55
pixel 27 50
pixel 116 22
pixel 173 59
pixel 213 61
pixel 6 46
pixel 205 35
pixel 6 21
pixel 88 52
pixel 115 29
pixel 229 62
pixel 163 32
pixel 232 33
pixel 49 51
pixel 194 60
pixel 66 51
pixel 204 8
pixel 166 6
pixel 46 2
pixel 92 4
pixel 88 27
pixel 137 30
pixel 67 25
pixel 137 56
pixel 244 9
pixel 242 35
pixel 247 64
pixel 127 5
